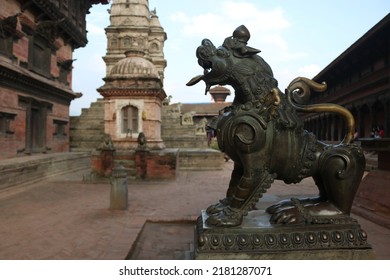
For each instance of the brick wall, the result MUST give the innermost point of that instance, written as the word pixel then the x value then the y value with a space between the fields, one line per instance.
pixel 14 140
pixel 157 164
pixel 13 144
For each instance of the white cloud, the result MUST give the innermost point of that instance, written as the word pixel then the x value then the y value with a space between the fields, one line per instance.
pixel 206 25
pixel 309 71
pixel 179 17
pixel 229 17
pixel 95 30
pixel 262 20
pixel 265 25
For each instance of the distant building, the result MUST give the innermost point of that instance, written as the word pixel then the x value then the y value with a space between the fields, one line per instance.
pixel 359 79
pixel 185 125
pixel 37 40
pixel 208 110
pixel 133 90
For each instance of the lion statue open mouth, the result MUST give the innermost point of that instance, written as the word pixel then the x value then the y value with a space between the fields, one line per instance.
pixel 262 133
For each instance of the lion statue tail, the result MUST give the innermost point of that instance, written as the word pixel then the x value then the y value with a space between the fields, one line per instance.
pixel 298 94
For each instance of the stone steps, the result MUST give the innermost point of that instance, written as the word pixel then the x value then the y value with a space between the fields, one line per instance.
pixel 176 135
pixel 127 160
pixel 129 166
pixel 178 130
pixel 85 146
pixel 87 124
pixel 86 136
pixel 182 142
pixel 92 113
pixel 87 130
pixel 200 159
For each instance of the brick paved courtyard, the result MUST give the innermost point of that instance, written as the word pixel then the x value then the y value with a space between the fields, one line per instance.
pixel 66 218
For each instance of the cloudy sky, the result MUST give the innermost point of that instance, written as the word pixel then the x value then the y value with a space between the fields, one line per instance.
pixel 296 38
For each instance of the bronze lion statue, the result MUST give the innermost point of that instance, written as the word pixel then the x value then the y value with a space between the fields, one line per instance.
pixel 264 136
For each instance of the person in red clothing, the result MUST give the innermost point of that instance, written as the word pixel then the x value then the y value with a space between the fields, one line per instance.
pixel 381 132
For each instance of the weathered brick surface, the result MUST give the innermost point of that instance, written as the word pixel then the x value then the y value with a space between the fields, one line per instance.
pixel 149 164
pixel 157 164
pixel 200 159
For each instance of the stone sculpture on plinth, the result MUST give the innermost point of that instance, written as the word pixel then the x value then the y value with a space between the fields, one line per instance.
pixel 264 136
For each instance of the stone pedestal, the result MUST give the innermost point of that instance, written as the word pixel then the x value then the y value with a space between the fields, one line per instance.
pixel 119 189
pixel 257 239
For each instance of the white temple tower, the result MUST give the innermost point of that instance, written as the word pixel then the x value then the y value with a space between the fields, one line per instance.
pixel 132 25
pixel 133 90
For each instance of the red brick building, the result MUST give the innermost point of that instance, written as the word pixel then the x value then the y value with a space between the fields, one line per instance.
pixel 359 79
pixel 37 40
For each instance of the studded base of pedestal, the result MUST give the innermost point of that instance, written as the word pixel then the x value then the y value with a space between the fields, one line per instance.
pixel 256 238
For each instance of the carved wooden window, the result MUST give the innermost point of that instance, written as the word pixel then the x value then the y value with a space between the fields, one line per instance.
pixel 5 123
pixel 65 68
pixel 39 58
pixel 60 128
pixel 130 120
pixel 6 45
pixel 8 34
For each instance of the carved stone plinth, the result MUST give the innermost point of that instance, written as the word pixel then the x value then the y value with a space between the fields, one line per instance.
pixel 256 238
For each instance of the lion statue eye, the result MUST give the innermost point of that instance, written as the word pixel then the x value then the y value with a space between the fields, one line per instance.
pixel 222 52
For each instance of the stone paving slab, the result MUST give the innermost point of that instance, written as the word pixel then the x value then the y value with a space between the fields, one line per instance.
pixel 66 218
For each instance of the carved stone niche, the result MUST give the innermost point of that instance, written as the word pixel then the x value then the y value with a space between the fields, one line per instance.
pixel 65 67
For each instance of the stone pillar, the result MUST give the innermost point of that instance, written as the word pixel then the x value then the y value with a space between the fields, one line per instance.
pixel 119 189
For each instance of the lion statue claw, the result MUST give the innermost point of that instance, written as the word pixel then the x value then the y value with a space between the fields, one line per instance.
pixel 264 136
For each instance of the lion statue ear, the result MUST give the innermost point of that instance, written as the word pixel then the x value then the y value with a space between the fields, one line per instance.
pixel 245 51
